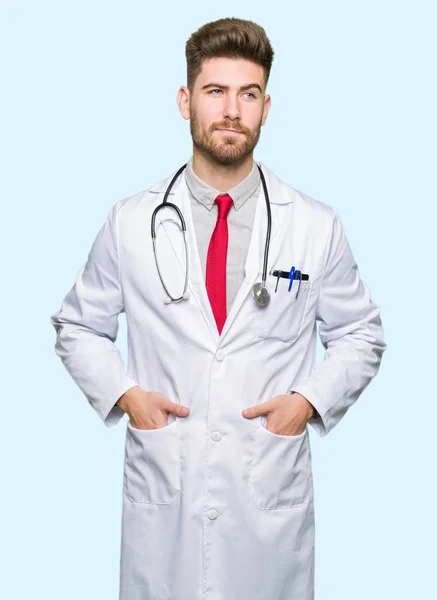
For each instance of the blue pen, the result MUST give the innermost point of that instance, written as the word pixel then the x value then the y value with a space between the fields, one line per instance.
pixel 291 277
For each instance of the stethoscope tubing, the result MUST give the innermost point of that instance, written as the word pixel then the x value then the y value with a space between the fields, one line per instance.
pixel 184 230
pixel 269 227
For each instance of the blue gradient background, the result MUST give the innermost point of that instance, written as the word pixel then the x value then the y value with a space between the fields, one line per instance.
pixel 89 116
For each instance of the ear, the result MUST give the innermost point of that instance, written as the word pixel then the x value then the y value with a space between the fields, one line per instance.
pixel 183 100
pixel 267 106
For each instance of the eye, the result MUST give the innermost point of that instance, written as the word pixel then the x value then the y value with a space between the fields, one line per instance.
pixel 216 90
pixel 251 94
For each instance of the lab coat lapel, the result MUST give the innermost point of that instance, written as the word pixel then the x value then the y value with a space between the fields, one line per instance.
pixel 255 255
pixel 196 284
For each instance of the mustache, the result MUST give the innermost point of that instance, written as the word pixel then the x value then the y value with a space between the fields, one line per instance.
pixel 227 125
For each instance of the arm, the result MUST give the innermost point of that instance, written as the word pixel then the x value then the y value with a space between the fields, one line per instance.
pixel 87 325
pixel 351 333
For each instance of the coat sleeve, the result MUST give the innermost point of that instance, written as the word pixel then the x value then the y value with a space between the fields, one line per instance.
pixel 87 325
pixel 351 333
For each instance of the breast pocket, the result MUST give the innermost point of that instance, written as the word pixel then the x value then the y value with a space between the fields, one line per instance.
pixel 152 469
pixel 283 317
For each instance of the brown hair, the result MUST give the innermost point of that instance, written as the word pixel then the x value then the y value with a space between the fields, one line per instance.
pixel 228 38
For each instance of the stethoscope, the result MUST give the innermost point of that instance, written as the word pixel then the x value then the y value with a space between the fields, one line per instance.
pixel 260 292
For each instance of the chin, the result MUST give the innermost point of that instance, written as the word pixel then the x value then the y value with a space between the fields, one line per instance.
pixel 229 159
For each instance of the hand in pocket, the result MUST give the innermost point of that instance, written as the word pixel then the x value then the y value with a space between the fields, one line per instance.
pixel 149 410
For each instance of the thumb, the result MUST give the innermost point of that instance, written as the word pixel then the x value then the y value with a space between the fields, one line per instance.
pixel 176 409
pixel 254 411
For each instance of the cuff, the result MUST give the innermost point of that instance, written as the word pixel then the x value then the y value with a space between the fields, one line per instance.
pixel 318 420
pixel 108 411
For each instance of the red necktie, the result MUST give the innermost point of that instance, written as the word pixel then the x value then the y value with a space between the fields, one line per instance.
pixel 216 262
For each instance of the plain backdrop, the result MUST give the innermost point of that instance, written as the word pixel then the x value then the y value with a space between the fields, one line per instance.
pixel 89 116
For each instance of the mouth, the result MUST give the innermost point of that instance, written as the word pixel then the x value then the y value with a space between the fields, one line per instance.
pixel 230 131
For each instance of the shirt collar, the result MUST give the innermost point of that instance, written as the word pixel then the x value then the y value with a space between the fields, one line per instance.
pixel 206 194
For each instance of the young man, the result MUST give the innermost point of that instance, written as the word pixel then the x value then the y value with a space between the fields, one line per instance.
pixel 218 491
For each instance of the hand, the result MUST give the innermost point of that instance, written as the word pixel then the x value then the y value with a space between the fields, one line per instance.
pixel 286 414
pixel 149 410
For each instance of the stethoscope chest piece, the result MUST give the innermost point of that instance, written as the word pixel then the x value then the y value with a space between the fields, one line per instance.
pixel 261 294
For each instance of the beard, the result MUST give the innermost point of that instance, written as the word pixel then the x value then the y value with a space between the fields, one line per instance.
pixel 228 150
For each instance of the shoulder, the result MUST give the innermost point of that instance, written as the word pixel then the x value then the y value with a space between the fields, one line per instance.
pixel 145 200
pixel 303 204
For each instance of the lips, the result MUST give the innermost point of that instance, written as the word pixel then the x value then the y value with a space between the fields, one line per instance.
pixel 230 130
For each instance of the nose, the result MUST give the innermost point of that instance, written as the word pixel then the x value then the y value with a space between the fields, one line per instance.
pixel 231 108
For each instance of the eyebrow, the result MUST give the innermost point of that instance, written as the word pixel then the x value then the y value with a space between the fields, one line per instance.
pixel 243 88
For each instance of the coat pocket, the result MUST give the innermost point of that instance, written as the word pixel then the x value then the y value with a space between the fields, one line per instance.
pixel 152 469
pixel 280 470
pixel 282 319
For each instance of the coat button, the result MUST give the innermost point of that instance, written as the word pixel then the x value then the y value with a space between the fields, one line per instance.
pixel 216 436
pixel 220 356
pixel 212 514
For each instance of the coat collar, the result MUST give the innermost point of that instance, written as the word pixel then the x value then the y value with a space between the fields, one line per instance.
pixel 279 192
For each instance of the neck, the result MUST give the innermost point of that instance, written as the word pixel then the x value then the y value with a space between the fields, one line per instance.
pixel 219 176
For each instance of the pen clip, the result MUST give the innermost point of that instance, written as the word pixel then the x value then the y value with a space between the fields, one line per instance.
pixel 299 274
pixel 277 281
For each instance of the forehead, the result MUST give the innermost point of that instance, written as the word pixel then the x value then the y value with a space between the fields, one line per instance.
pixel 230 71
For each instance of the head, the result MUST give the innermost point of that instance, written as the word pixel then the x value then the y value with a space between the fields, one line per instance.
pixel 228 67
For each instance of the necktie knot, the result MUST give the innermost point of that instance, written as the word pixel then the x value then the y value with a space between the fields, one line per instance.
pixel 224 203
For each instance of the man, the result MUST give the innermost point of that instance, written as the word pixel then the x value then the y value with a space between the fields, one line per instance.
pixel 218 496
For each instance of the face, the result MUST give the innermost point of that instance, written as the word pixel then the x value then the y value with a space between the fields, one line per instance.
pixel 226 108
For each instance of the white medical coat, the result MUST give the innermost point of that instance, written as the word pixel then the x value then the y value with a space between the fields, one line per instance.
pixel 215 506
